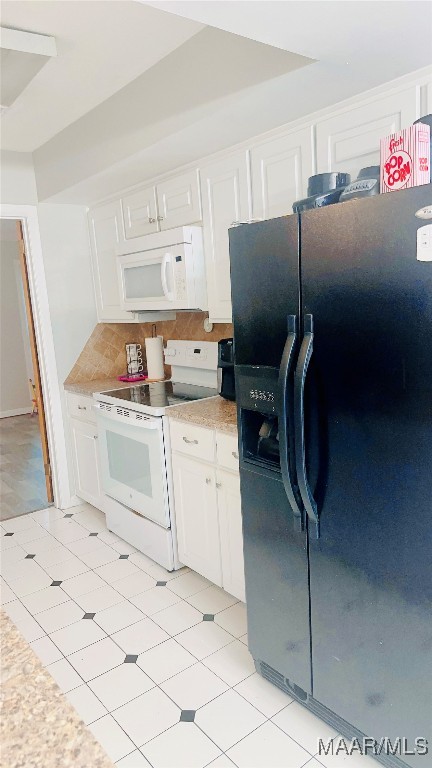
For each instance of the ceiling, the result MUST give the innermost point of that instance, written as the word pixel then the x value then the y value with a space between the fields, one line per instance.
pixel 345 32
pixel 101 47
pixel 140 88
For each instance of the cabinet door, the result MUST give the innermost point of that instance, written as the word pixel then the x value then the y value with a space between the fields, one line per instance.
pixel 231 533
pixel 106 232
pixel 197 516
pixel 350 140
pixel 226 199
pixel 86 462
pixel 179 200
pixel 280 170
pixel 140 213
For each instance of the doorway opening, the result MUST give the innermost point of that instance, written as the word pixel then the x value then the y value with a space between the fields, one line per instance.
pixel 25 468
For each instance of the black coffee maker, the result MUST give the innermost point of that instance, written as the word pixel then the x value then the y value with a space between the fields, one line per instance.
pixel 226 383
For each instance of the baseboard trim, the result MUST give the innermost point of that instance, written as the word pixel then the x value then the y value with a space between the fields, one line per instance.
pixel 15 412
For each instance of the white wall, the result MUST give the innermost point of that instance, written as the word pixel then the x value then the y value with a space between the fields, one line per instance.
pixel 67 274
pixel 18 184
pixel 66 256
pixel 14 346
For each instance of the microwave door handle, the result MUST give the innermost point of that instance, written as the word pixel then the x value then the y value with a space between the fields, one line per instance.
pixel 166 261
pixel 284 416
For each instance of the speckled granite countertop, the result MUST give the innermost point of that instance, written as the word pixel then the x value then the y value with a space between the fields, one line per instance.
pixel 98 385
pixel 38 726
pixel 214 412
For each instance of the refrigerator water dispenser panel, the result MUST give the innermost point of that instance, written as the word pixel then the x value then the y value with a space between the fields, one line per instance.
pixel 256 387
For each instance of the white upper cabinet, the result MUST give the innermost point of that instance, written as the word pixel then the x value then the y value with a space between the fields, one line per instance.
pixel 106 233
pixel 179 200
pixel 280 168
pixel 140 213
pixel 175 202
pixel 350 140
pixel 226 199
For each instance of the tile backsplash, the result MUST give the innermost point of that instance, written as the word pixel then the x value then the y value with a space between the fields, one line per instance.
pixel 104 354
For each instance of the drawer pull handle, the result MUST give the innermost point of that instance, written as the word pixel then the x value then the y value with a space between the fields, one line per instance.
pixel 235 454
pixel 218 485
pixel 190 442
pixel 82 407
pixel 208 480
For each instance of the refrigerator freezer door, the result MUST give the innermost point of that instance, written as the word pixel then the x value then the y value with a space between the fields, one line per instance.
pixel 265 292
pixel 371 568
pixel 276 572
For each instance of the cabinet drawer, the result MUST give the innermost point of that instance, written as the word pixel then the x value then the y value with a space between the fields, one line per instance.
pixel 81 407
pixel 227 451
pixel 192 440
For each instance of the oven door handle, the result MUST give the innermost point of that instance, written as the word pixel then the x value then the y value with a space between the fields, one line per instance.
pixel 134 419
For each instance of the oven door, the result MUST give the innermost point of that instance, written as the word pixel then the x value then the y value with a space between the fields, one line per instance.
pixel 132 459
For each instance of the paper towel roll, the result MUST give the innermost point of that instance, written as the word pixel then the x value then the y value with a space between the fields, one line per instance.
pixel 155 359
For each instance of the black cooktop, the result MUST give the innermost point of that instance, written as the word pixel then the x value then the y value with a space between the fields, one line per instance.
pixel 160 394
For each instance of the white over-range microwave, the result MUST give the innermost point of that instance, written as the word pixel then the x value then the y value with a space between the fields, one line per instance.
pixel 163 271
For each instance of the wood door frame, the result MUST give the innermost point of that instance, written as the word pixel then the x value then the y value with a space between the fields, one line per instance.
pixel 51 386
pixel 35 361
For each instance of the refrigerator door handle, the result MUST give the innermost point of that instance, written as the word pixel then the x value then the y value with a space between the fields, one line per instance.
pixel 284 374
pixel 304 357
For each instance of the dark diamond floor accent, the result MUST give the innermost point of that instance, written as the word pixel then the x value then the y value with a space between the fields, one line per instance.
pixel 123 557
pixel 161 583
pixel 89 616
pixel 130 658
pixel 29 557
pixel 187 716
pixel 92 534
pixel 9 534
pixel 208 617
pixel 55 584
pixel 67 515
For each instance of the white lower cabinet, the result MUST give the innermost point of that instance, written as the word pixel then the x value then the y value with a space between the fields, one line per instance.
pixel 208 512
pixel 86 462
pixel 85 454
pixel 197 517
pixel 230 532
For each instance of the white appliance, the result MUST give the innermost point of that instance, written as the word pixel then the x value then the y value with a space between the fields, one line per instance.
pixel 135 453
pixel 164 270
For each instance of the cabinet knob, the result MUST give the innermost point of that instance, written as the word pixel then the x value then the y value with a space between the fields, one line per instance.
pixel 160 218
pixel 95 437
pixel 235 454
pixel 218 485
pixel 208 480
pixel 190 442
pixel 151 220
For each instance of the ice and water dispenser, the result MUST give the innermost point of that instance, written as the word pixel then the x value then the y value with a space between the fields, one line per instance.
pixel 257 396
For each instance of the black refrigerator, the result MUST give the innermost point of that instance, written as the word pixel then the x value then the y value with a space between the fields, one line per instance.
pixel 332 314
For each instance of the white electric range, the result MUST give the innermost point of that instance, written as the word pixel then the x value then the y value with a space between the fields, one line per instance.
pixel 135 451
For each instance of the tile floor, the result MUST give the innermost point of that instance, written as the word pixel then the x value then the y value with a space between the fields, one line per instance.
pixel 155 663
pixel 22 477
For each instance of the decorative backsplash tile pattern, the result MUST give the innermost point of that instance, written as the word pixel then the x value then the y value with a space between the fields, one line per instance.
pixel 104 354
